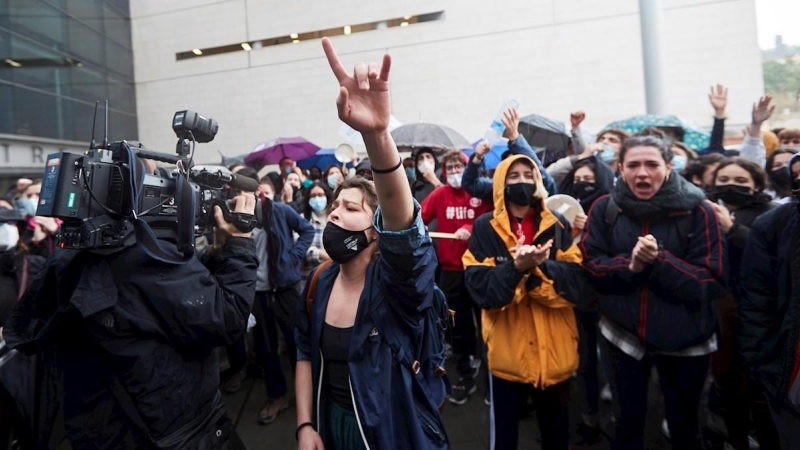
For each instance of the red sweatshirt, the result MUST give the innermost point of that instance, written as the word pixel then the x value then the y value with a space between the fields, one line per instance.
pixel 453 209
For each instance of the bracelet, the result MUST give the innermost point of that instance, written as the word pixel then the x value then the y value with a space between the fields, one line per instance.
pixel 384 172
pixel 301 426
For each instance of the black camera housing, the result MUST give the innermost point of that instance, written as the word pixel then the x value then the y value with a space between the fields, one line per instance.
pixel 190 125
pixel 102 194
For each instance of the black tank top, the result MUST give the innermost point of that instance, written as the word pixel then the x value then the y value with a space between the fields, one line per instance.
pixel 335 345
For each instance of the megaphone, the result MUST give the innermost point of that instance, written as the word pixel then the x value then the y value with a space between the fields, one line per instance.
pixel 344 153
pixel 564 205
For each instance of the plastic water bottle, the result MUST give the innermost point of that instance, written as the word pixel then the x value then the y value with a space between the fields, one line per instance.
pixel 496 129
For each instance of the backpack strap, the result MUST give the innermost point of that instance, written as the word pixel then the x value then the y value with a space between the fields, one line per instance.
pixel 390 329
pixel 611 212
pixel 312 285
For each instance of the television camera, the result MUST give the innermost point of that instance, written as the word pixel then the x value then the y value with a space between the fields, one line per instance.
pixel 107 200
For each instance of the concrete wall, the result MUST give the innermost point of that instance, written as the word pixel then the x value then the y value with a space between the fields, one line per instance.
pixel 553 56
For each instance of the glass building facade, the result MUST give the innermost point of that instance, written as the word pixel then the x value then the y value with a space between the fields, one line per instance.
pixel 57 57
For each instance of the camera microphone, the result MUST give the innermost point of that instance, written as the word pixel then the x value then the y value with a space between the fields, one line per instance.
pixel 243 183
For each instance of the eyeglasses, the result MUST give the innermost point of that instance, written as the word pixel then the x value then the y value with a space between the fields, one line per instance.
pixel 454 168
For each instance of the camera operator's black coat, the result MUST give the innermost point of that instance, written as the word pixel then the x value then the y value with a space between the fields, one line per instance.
pixel 147 328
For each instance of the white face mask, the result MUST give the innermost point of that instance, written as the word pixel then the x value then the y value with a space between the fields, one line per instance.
pixel 426 166
pixel 454 180
pixel 9 236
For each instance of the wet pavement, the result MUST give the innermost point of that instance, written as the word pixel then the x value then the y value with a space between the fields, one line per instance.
pixel 467 425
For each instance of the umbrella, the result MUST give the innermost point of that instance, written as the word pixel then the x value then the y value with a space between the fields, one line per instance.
pixel 546 133
pixel 228 161
pixel 273 151
pixel 322 159
pixel 427 135
pixel 688 133
pixel 495 155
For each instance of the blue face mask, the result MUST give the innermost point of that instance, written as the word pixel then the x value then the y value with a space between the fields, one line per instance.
pixel 318 204
pixel 307 183
pixel 26 206
pixel 333 181
pixel 608 155
pixel 678 163
pixel 288 170
pixel 410 174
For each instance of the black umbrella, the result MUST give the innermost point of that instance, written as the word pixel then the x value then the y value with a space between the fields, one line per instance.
pixel 228 161
pixel 427 135
pixel 548 137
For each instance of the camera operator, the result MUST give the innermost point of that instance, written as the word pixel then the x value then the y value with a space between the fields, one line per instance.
pixel 135 339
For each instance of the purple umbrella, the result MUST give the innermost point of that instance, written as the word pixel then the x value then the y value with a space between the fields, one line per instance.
pixel 273 151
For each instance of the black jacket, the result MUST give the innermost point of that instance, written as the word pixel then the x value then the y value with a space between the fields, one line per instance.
pixel 769 307
pixel 744 216
pixel 669 304
pixel 14 267
pixel 148 327
pixel 283 220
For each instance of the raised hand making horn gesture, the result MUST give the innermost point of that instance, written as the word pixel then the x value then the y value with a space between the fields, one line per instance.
pixel 364 104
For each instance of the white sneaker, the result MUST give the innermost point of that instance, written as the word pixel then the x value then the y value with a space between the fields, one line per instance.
pixel 665 429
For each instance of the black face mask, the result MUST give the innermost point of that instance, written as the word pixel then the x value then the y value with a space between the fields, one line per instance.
pixel 781 179
pixel 343 245
pixel 520 193
pixel 732 194
pixel 582 189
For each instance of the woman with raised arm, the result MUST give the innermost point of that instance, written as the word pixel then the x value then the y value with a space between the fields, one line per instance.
pixel 354 390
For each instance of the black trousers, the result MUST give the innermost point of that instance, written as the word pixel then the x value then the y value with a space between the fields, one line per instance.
pixel 237 356
pixel 275 311
pixel 682 380
pixel 464 334
pixel 787 422
pixel 588 379
pixel 552 411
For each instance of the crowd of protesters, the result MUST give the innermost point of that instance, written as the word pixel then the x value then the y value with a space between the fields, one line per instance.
pixel 680 260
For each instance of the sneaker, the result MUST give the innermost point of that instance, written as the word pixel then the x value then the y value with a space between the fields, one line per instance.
pixel 605 394
pixel 475 364
pixel 665 429
pixel 235 383
pixel 461 391
pixel 587 436
pixel 271 410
